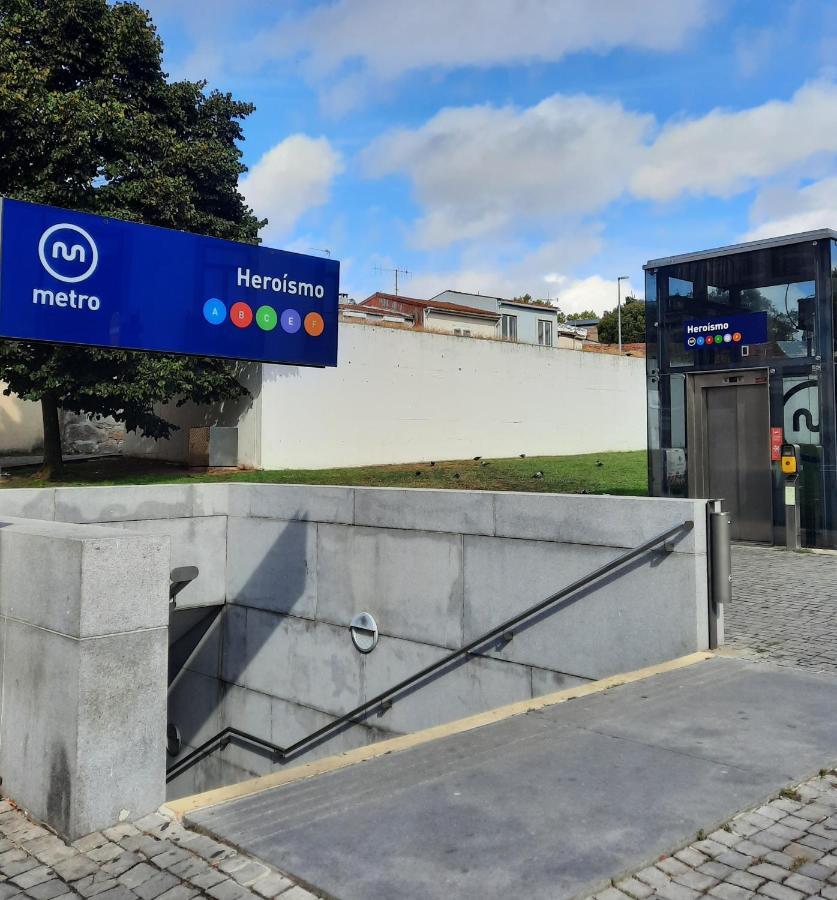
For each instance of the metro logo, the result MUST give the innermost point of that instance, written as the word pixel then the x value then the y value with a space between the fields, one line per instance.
pixel 59 248
pixel 75 246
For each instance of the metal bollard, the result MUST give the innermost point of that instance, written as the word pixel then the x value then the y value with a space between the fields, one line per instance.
pixel 790 462
pixel 721 586
pixel 792 518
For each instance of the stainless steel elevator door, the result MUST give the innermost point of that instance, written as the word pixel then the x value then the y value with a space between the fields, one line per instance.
pixel 738 457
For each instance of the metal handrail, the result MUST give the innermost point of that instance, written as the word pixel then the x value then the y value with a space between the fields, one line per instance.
pixel 229 734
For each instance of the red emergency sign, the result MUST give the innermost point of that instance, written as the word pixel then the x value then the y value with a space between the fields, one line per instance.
pixel 776 441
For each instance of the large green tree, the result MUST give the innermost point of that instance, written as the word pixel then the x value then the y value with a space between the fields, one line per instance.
pixel 633 323
pixel 89 121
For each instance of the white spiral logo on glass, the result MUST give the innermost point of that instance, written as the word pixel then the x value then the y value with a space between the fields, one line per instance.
pixel 71 249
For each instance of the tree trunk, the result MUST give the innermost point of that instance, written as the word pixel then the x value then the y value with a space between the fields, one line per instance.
pixel 53 467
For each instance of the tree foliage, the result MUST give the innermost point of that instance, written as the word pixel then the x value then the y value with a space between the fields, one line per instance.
pixel 89 121
pixel 584 315
pixel 633 323
pixel 529 300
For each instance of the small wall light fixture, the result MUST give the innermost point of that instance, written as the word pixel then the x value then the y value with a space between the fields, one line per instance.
pixel 364 631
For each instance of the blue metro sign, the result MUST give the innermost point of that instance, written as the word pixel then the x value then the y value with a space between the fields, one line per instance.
pixel 74 278
pixel 729 331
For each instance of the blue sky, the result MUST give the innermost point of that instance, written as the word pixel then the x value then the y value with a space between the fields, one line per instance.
pixel 513 146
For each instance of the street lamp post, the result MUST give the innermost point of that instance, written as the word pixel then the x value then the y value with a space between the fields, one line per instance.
pixel 619 281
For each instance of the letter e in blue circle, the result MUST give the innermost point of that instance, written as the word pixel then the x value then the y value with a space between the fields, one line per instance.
pixel 214 311
pixel 291 321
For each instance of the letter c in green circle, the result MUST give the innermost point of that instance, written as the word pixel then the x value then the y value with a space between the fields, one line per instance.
pixel 266 318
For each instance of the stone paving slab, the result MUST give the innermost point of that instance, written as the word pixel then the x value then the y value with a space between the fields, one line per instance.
pixel 554 804
pixel 784 607
pixel 152 859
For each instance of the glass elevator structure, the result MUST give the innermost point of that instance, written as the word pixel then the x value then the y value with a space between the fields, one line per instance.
pixel 741 358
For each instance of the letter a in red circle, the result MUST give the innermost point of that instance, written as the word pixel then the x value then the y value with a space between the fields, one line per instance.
pixel 241 315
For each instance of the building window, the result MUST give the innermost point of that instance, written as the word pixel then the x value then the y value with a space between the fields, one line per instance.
pixel 544 333
pixel 462 332
pixel 509 328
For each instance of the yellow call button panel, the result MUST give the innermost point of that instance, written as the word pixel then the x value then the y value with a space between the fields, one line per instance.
pixel 789 465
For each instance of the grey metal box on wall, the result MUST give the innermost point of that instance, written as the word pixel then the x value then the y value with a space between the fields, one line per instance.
pixel 213 446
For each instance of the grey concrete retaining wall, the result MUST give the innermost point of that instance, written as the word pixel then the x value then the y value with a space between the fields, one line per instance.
pixel 83 627
pixel 436 568
pixel 194 517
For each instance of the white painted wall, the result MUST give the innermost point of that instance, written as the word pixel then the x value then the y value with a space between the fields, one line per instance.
pixel 21 425
pixel 401 396
pixel 245 413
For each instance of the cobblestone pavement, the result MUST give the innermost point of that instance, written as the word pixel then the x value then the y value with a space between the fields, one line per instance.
pixel 784 607
pixel 785 850
pixel 153 859
pixel 784 610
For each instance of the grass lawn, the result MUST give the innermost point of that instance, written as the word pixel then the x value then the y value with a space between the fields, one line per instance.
pixel 592 473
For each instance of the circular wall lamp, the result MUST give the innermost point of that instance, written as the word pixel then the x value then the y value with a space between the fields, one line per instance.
pixel 364 631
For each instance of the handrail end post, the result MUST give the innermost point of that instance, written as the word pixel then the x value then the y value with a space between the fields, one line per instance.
pixel 720 574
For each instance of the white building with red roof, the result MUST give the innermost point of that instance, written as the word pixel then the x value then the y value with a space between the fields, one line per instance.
pixel 437 315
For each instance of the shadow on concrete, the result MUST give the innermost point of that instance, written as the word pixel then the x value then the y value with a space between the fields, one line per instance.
pixel 194 712
pixel 233 659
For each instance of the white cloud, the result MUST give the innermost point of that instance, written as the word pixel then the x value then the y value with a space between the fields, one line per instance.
pixel 489 179
pixel 290 179
pixel 724 152
pixel 481 173
pixel 478 171
pixel 595 292
pixel 386 39
pixel 505 272
pixel 208 26
pixel 783 209
pixel 570 294
pixel 351 47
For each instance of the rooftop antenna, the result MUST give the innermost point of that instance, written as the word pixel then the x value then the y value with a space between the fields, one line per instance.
pixel 396 271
